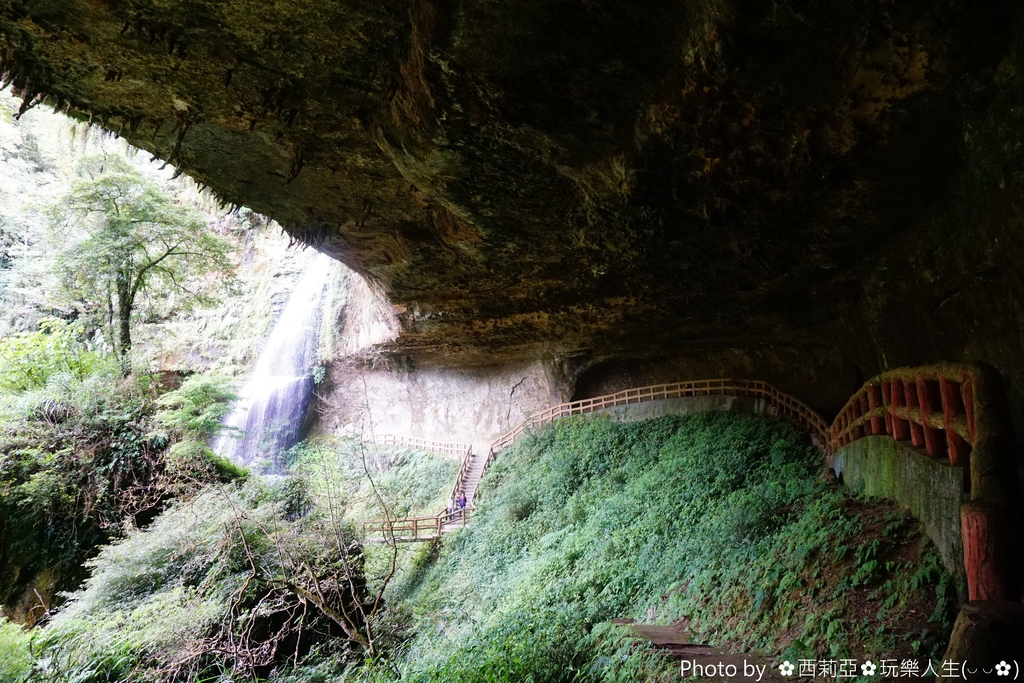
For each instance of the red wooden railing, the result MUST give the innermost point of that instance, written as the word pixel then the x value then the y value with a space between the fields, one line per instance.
pixel 956 413
pixel 931 411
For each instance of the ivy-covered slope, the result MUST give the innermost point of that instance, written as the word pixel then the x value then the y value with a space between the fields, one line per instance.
pixel 718 522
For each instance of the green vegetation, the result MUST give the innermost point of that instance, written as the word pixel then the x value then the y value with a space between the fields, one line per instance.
pixel 86 452
pixel 718 520
pixel 365 478
pixel 15 656
pixel 228 586
pixel 123 238
pixel 81 453
pixel 244 580
pixel 29 360
pixel 191 414
pixel 75 459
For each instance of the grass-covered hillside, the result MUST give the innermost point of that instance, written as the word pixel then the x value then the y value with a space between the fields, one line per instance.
pixel 718 521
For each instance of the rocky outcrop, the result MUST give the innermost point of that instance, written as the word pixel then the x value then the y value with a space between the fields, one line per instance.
pixel 821 190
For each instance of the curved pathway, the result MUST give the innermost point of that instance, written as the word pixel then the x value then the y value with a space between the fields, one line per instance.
pixel 951 415
pixel 769 400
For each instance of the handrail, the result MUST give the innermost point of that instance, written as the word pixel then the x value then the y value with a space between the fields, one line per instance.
pixel 788 406
pixel 456 448
pixel 411 529
pixel 952 410
pixel 956 411
pixel 460 477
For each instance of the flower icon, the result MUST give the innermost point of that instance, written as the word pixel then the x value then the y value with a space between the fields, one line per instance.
pixel 1002 669
pixel 868 668
pixel 786 669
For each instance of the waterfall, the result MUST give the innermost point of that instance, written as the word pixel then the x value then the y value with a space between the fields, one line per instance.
pixel 272 405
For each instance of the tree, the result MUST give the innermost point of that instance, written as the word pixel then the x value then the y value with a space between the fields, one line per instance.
pixel 126 239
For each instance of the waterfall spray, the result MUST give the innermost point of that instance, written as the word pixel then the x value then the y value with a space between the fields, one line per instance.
pixel 272 405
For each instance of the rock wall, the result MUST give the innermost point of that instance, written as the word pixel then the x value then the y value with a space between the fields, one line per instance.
pixel 931 490
pixel 804 193
pixel 471 405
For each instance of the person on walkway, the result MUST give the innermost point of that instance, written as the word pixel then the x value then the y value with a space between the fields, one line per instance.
pixel 451 505
pixel 462 500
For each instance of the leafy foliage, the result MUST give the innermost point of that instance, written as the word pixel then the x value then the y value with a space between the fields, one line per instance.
pixel 716 519
pixel 75 458
pixel 15 656
pixel 229 584
pixel 192 414
pixel 123 237
pixel 80 455
pixel 244 581
pixel 195 409
pixel 29 360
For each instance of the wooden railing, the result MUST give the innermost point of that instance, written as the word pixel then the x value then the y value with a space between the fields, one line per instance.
pixel 783 404
pixel 955 412
pixel 949 410
pixel 413 529
pixel 460 477
pixel 453 448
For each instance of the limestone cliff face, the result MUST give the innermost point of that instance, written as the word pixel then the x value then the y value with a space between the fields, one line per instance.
pixel 807 192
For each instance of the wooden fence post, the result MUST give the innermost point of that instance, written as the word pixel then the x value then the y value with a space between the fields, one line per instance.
pixel 900 427
pixel 989 575
pixel 856 413
pixel 952 406
pixel 916 430
pixel 875 402
pixel 934 439
pixel 886 410
pixel 967 394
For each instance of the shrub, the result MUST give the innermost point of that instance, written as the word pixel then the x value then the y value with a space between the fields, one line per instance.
pixel 29 360
pixel 195 409
pixel 227 582
pixel 15 656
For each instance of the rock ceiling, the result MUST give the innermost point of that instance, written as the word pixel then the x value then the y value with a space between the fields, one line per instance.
pixel 787 189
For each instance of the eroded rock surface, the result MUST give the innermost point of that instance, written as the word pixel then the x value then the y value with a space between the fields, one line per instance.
pixel 820 190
